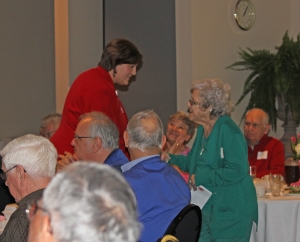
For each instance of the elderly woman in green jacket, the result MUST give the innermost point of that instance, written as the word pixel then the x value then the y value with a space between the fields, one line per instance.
pixel 218 161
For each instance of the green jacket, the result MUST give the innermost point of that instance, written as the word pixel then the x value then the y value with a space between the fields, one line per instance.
pixel 220 163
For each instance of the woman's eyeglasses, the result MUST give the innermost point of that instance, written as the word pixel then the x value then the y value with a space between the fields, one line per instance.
pixel 192 102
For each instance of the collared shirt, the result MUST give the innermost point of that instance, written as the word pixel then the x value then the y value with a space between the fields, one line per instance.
pixel 17 227
pixel 131 164
pixel 116 159
pixel 268 156
pixel 160 191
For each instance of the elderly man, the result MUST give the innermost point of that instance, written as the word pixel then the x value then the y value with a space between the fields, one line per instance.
pixel 85 202
pixel 50 124
pixel 96 139
pixel 160 190
pixel 264 152
pixel 28 165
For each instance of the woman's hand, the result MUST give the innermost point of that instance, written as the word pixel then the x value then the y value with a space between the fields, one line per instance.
pixel 177 145
pixel 165 156
pixel 65 160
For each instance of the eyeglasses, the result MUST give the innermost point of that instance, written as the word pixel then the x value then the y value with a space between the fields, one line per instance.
pixel 254 125
pixel 76 137
pixel 3 174
pixel 47 134
pixel 192 102
pixel 32 209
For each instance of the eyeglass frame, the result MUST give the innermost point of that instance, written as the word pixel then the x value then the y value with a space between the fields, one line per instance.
pixel 254 125
pixel 32 208
pixel 77 137
pixel 47 134
pixel 3 174
pixel 192 102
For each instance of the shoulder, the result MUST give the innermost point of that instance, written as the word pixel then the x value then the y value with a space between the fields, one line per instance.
pixel 272 141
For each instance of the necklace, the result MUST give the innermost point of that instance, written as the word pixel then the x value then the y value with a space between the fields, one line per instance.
pixel 202 144
pixel 203 141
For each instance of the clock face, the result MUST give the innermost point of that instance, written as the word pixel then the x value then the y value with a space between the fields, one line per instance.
pixel 244 14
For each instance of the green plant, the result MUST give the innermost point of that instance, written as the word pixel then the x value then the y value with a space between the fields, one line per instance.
pixel 272 76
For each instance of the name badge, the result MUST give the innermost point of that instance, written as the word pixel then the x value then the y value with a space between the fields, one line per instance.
pixel 221 153
pixel 262 155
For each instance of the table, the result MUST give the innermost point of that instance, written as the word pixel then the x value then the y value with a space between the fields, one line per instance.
pixel 278 220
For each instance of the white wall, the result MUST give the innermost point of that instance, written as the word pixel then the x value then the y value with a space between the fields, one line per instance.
pixel 208 40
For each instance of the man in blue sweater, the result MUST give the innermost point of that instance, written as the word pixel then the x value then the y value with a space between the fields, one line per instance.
pixel 160 190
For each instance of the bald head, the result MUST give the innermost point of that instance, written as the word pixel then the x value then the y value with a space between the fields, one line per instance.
pixel 256 125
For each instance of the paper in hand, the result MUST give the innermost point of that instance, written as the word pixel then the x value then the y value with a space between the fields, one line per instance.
pixel 200 196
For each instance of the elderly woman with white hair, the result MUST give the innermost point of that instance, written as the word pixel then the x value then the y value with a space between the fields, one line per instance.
pixel 28 164
pixel 218 161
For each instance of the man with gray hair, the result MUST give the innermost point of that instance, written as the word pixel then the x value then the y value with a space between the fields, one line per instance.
pixel 85 202
pixel 160 190
pixel 28 164
pixel 50 124
pixel 96 139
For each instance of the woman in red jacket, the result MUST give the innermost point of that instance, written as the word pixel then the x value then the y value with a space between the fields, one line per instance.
pixel 94 90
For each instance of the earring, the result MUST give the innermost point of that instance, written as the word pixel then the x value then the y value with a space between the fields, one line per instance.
pixel 114 74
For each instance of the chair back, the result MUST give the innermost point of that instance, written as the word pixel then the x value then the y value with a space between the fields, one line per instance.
pixel 186 226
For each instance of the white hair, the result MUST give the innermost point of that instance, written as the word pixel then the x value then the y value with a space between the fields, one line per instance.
pixel 35 154
pixel 215 94
pixel 145 131
pixel 91 202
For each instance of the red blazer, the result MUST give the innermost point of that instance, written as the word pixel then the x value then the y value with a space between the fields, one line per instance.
pixel 92 90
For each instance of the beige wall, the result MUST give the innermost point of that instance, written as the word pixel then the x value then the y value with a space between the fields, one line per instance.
pixel 208 40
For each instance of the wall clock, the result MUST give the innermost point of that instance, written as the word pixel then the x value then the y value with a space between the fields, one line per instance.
pixel 244 14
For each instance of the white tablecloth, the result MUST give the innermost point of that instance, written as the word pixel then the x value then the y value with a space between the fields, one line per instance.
pixel 278 220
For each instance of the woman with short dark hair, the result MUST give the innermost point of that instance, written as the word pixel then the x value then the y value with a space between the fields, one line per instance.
pixel 94 90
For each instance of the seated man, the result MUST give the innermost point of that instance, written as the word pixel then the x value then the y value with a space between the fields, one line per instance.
pixel 264 152
pixel 96 139
pixel 160 190
pixel 5 196
pixel 50 124
pixel 86 202
pixel 28 165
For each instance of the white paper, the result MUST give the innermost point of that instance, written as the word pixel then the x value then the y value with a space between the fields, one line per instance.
pixel 200 196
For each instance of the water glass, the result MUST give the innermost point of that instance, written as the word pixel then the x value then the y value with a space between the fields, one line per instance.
pixel 253 172
pixel 275 184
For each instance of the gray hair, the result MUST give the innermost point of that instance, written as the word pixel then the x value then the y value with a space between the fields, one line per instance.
pixel 145 131
pixel 186 120
pixel 91 202
pixel 54 118
pixel 35 154
pixel 215 94
pixel 103 127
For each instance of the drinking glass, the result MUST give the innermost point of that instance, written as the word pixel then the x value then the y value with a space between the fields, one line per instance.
pixel 275 184
pixel 253 172
pixel 291 171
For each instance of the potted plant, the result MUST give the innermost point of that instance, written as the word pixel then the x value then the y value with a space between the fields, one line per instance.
pixel 273 76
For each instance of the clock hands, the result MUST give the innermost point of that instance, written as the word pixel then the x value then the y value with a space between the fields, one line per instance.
pixel 245 11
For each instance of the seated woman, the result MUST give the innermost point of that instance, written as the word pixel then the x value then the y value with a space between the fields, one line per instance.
pixel 180 130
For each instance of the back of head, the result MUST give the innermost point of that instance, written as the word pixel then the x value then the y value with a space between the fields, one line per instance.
pixel 35 154
pixel 145 131
pixel 103 127
pixel 91 202
pixel 119 51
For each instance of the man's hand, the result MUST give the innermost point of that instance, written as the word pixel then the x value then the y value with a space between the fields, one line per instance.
pixel 65 160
